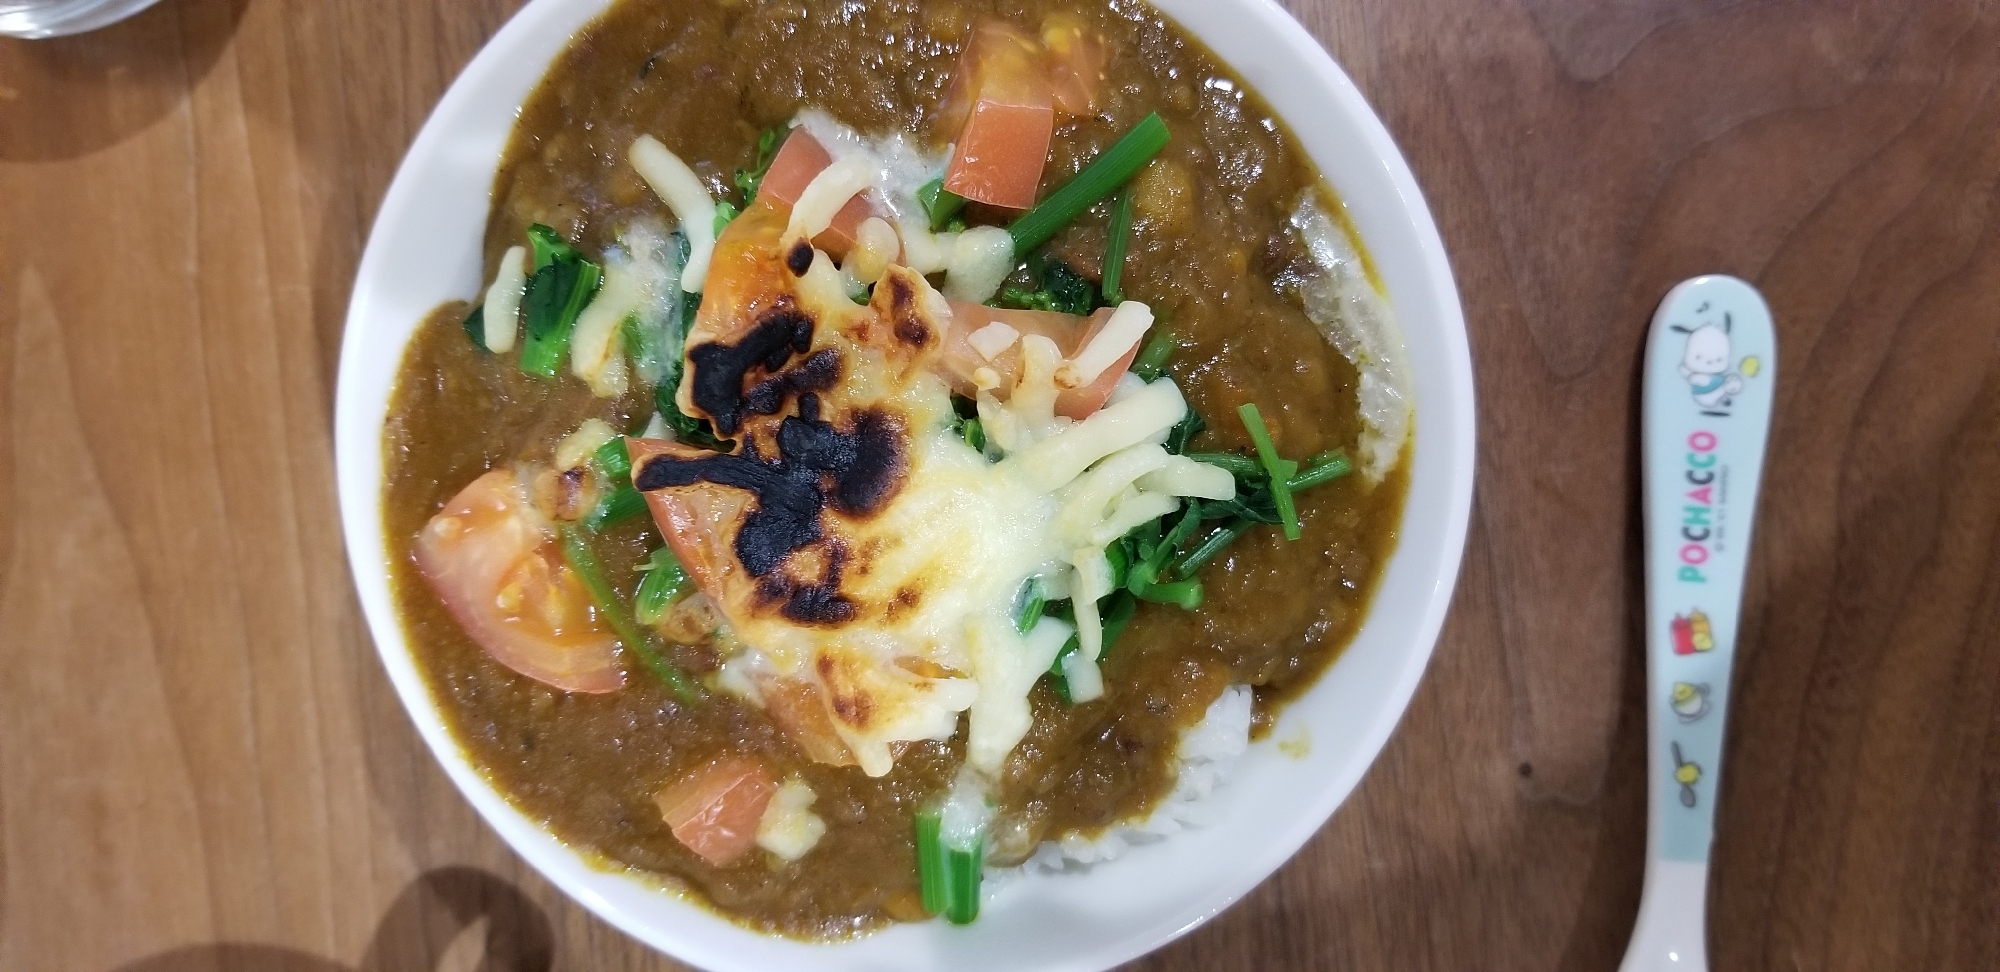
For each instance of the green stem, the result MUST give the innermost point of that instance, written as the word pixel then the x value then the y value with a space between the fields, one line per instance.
pixel 1152 359
pixel 939 203
pixel 1281 470
pixel 1098 180
pixel 1114 254
pixel 577 553
pixel 1211 547
pixel 1324 468
pixel 1242 467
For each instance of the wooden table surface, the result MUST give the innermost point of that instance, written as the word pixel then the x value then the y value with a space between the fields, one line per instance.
pixel 202 765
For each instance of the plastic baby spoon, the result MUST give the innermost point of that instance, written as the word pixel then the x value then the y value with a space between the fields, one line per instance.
pixel 1710 366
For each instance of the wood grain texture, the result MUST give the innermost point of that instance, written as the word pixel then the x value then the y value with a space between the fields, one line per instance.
pixel 203 767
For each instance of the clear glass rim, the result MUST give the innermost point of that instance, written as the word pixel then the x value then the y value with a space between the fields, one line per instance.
pixel 33 21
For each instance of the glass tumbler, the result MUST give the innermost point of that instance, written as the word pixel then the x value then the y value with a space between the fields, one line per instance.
pixel 54 18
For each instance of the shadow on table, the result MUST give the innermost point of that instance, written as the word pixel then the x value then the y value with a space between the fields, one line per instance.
pixel 415 932
pixel 70 96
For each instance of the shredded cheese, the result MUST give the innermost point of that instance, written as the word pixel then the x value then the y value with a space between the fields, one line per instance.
pixel 993 340
pixel 981 259
pixel 575 448
pixel 788 829
pixel 924 251
pixel 597 346
pixel 503 300
pixel 828 192
pixel 875 247
pixel 1182 476
pixel 682 191
pixel 1063 456
pixel 1123 332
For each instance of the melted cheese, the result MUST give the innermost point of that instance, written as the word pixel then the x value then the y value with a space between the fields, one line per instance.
pixel 893 620
pixel 503 301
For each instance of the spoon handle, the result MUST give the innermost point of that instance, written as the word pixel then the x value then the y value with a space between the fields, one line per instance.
pixel 1711 366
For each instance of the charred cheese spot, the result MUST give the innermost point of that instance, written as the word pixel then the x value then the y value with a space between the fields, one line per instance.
pixel 817 373
pixel 718 370
pixel 901 604
pixel 913 333
pixel 807 591
pixel 799 259
pixel 905 322
pixel 783 539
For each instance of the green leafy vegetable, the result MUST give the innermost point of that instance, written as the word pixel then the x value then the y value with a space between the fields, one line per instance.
pixel 949 876
pixel 1151 361
pixel 725 213
pixel 940 204
pixel 1058 287
pixel 1098 180
pixel 1033 600
pixel 562 285
pixel 1242 467
pixel 549 247
pixel 663 583
pixel 1324 468
pixel 1281 470
pixel 1116 610
pixel 613 459
pixel 1114 254
pixel 1120 556
pixel 620 503
pixel 1184 432
pixel 974 433
pixel 1153 563
pixel 1212 546
pixel 578 554
pixel 751 179
pixel 475 326
pixel 688 429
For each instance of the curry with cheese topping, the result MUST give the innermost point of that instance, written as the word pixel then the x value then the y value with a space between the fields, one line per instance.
pixel 884 430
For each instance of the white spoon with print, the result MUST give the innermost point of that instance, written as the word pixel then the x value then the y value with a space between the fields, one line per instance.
pixel 1711 363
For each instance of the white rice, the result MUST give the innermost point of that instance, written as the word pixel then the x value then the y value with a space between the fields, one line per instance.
pixel 1205 754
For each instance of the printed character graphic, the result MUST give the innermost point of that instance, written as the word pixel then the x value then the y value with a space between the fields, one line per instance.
pixel 1687 774
pixel 1692 633
pixel 1705 363
pixel 1689 701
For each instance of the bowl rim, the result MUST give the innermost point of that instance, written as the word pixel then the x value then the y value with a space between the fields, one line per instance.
pixel 1445 439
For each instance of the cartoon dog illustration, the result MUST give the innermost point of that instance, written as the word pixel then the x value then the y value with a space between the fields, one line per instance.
pixel 1705 364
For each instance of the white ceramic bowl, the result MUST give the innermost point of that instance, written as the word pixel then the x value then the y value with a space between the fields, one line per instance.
pixel 425 249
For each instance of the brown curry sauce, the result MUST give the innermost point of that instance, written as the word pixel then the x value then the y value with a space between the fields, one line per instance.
pixel 1210 253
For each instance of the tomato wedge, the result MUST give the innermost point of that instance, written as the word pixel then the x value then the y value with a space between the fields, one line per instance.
pixel 494 562
pixel 1003 110
pixel 1076 57
pixel 714 810
pixel 697 522
pixel 958 360
pixel 798 161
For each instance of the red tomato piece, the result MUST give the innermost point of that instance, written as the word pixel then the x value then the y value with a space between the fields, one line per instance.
pixel 1003 109
pixel 798 161
pixel 958 360
pixel 494 562
pixel 699 523
pixel 714 811
pixel 1076 56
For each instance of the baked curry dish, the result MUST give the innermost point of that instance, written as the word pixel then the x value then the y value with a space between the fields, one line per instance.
pixel 897 442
